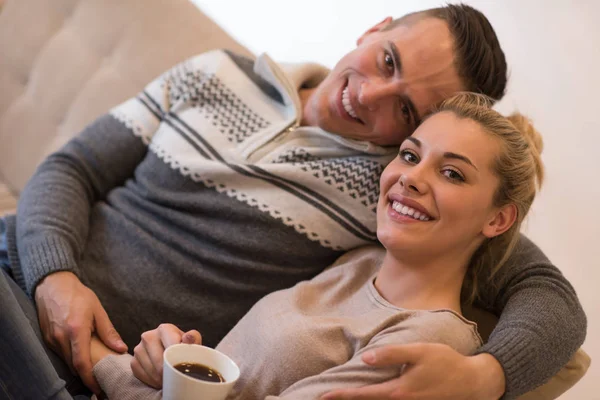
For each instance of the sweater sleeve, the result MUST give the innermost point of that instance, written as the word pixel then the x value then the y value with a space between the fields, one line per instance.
pixel 433 327
pixel 117 381
pixel 54 209
pixel 539 310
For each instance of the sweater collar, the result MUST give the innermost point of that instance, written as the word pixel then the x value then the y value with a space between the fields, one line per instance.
pixel 289 78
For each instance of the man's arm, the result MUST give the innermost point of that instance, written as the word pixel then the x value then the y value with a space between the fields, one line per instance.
pixel 53 221
pixel 539 310
pixel 54 209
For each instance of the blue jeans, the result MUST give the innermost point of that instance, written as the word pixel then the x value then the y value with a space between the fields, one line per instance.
pixel 28 369
pixel 4 264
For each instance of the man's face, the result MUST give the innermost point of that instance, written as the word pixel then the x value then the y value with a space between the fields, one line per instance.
pixel 379 91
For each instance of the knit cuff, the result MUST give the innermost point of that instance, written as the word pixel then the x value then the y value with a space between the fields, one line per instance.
pixel 116 379
pixel 44 256
pixel 516 354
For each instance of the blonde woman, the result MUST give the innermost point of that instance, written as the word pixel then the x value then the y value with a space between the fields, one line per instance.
pixel 451 203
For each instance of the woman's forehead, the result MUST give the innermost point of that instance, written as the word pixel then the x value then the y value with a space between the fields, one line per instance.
pixel 445 132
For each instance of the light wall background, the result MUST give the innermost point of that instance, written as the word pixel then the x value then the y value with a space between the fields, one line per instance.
pixel 553 49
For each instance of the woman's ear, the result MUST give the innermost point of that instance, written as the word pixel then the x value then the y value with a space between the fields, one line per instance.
pixel 375 28
pixel 500 221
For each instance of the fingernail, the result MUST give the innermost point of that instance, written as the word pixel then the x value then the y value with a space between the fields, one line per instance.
pixel 369 357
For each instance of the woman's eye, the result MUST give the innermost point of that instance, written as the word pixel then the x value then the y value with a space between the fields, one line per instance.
pixel 453 175
pixel 409 156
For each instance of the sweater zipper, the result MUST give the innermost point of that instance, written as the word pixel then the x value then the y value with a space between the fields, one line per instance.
pixel 290 128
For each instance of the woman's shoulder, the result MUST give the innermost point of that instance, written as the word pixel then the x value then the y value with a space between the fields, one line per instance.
pixel 436 326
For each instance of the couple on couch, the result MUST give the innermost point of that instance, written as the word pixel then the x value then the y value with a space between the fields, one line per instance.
pixel 227 179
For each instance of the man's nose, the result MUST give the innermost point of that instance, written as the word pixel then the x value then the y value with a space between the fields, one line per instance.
pixel 373 93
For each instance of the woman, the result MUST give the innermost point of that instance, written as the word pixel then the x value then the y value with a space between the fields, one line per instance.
pixel 452 201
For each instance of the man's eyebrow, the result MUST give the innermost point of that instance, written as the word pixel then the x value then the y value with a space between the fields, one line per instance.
pixel 398 67
pixel 447 154
pixel 460 157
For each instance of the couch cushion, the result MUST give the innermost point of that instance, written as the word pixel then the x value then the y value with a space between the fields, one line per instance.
pixel 65 62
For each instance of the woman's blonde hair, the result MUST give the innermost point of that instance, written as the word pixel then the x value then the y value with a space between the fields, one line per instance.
pixel 520 171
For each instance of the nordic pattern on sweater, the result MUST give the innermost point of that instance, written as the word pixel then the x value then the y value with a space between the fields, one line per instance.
pixel 210 125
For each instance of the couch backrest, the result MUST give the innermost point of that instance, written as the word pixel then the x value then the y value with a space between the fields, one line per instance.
pixel 65 62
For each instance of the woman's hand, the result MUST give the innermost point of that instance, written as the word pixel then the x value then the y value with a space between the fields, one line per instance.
pixel 147 363
pixel 98 350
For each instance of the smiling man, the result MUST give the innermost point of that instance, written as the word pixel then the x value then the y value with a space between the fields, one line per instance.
pixel 379 91
pixel 227 179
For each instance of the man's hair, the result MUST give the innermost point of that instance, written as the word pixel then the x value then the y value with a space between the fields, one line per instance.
pixel 479 60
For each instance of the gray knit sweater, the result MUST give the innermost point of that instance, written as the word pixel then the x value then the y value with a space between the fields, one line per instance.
pixel 191 201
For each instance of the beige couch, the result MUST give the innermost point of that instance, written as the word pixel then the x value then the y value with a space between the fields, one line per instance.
pixel 64 62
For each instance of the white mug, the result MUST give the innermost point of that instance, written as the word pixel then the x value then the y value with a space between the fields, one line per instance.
pixel 179 386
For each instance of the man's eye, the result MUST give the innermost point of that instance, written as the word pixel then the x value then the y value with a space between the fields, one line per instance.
pixel 409 156
pixel 453 175
pixel 389 61
pixel 405 111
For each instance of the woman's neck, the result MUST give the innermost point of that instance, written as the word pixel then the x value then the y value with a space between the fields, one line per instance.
pixel 422 285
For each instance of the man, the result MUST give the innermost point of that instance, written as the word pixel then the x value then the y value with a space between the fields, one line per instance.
pixel 256 177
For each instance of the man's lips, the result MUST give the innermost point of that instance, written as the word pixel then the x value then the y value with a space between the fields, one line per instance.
pixel 341 109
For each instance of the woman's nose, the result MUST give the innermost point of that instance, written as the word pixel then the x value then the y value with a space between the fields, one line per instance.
pixel 413 182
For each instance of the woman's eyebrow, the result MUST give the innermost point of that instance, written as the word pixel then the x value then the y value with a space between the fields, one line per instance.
pixel 447 154
pixel 459 157
pixel 416 141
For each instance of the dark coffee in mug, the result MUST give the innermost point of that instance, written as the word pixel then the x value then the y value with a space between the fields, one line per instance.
pixel 199 371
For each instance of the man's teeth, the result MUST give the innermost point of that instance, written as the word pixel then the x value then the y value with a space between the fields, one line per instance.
pixel 346 103
pixel 411 212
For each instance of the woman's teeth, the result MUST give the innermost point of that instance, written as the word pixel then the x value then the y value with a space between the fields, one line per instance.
pixel 411 212
pixel 347 105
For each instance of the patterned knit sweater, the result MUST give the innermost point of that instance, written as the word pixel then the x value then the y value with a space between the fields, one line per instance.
pixel 193 200
pixel 201 193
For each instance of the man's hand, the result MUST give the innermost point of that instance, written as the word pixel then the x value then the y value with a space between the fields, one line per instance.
pixel 147 363
pixel 69 312
pixel 431 372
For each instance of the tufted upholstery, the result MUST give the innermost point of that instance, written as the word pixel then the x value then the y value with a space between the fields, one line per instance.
pixel 64 62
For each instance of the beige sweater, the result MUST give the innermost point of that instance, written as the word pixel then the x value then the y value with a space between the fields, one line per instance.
pixel 302 342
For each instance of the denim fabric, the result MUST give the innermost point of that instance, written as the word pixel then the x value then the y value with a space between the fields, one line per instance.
pixel 4 263
pixel 28 369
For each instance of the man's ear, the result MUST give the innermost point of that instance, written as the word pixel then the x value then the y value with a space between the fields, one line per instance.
pixel 501 221
pixel 376 28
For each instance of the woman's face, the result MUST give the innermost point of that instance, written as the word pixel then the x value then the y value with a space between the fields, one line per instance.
pixel 436 196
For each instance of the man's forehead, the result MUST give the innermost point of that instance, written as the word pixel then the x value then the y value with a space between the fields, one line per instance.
pixel 427 39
